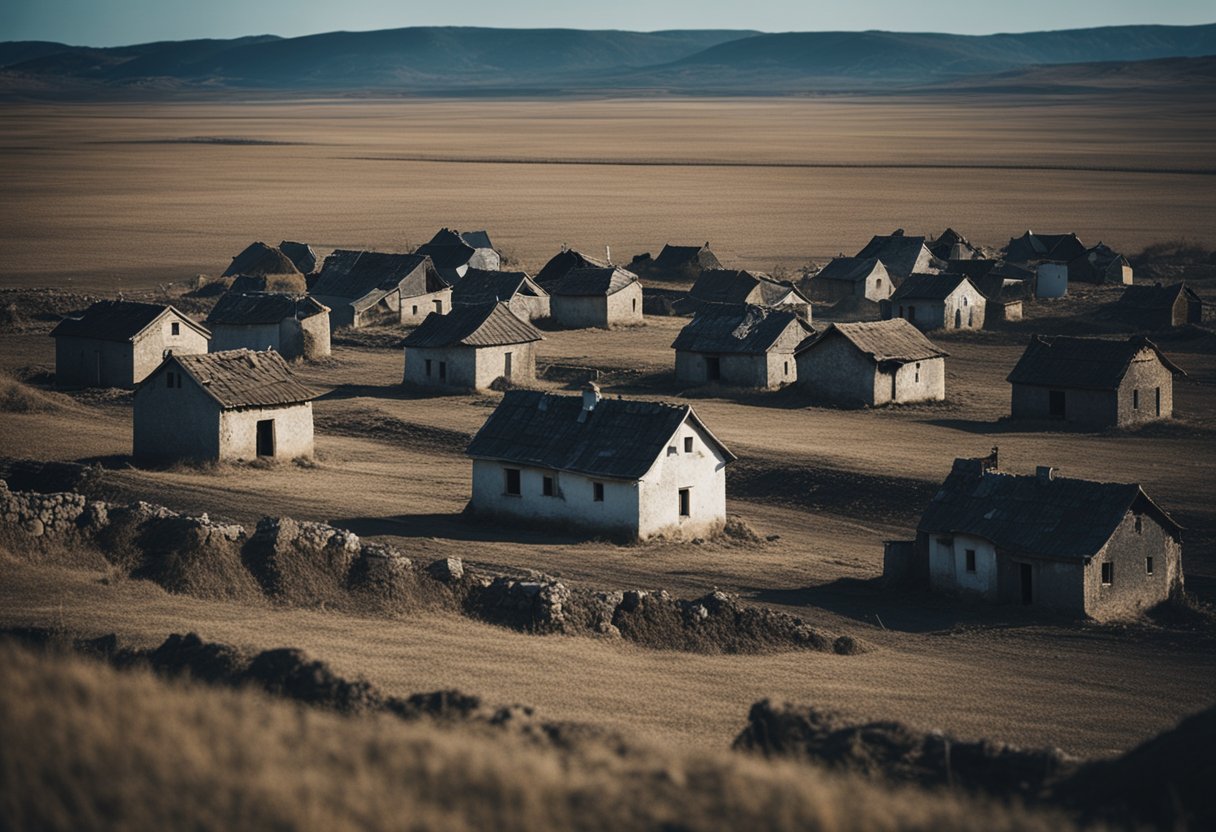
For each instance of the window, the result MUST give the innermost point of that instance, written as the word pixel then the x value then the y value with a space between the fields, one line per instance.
pixel 512 481
pixel 911 313
pixel 787 368
pixel 918 372
pixel 1139 524
pixel 1055 404
pixel 965 301
pixel 878 283
pixel 1108 574
pixel 1148 566
pixel 173 380
pixel 671 450
pixel 415 312
pixel 428 368
pixel 439 307
pixel 685 503
pixel 1158 401
pixel 635 304
pixel 546 486
pixel 443 371
pixel 597 492
pixel 506 366
pixel 175 328
pixel 687 444
pixel 1135 400
pixel 970 560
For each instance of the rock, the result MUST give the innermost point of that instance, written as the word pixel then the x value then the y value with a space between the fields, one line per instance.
pixel 289 672
pixel 34 528
pixel 447 570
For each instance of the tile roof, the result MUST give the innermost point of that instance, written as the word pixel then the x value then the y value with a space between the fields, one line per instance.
pixel 1086 363
pixel 486 325
pixel 618 439
pixel 483 286
pixel 849 269
pixel 354 275
pixel 742 329
pixel 259 258
pixel 587 282
pixel 235 308
pixel 928 286
pixel 243 378
pixel 895 341
pixel 562 262
pixel 1032 515
pixel 118 320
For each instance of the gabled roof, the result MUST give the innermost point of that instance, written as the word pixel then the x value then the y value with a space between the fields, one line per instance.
pixel 736 286
pixel 245 283
pixel 238 308
pixel 849 269
pixel 562 262
pixel 679 257
pixel 483 286
pixel 477 239
pixel 618 439
pixel 353 275
pixel 119 320
pixel 241 378
pixel 1032 515
pixel 950 245
pixel 450 249
pixel 895 341
pixel 898 252
pixel 928 286
pixel 1086 363
pixel 1031 247
pixel 301 255
pixel 1156 296
pixel 748 330
pixel 587 282
pixel 259 258
pixel 487 325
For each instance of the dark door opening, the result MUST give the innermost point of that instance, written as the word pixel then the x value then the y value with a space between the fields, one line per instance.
pixel 713 368
pixel 1027 572
pixel 1055 404
pixel 958 319
pixel 1158 401
pixel 685 503
pixel 266 437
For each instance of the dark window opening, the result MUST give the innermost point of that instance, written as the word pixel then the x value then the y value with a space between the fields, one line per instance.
pixel 415 312
pixel 911 313
pixel 175 328
pixel 1055 404
pixel 1027 575
pixel 687 444
pixel 1158 401
pixel 439 306
pixel 512 481
pixel 266 437
pixel 1139 525
pixel 1135 400
pixel 443 371
pixel 1148 566
pixel 878 283
pixel 635 304
pixel 685 503
pixel 1108 574
pixel 506 366
pixel 713 367
pixel 428 368
pixel 918 372
pixel 787 368
pixel 671 450
pixel 546 486
pixel 597 492
pixel 970 560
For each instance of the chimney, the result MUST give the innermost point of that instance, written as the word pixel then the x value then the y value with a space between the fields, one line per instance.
pixel 608 254
pixel 1045 473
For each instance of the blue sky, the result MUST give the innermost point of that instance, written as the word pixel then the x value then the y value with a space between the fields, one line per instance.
pixel 114 22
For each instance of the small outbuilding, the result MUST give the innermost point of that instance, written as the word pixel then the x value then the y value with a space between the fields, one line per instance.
pixel 872 363
pixel 471 347
pixel 520 292
pixel 937 301
pixel 630 469
pixel 847 278
pixel 676 263
pixel 370 287
pixel 950 245
pixel 747 346
pixel 295 327
pixel 455 252
pixel 564 262
pixel 596 297
pixel 1093 381
pixel 716 287
pixel 117 343
pixel 901 255
pixel 233 405
pixel 1101 264
pixel 1160 307
pixel 1097 549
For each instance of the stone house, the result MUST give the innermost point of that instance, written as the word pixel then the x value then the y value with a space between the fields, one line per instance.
pixel 851 277
pixel 1036 248
pixel 950 245
pixel 562 263
pixel 370 287
pixel 716 287
pixel 471 347
pixel 234 405
pixel 455 252
pixel 294 327
pixel 676 263
pixel 872 363
pixel 901 254
pixel 117 343
pixel 1101 264
pixel 937 301
pixel 520 292
pixel 630 469
pixel 596 297
pixel 1096 549
pixel 1093 381
pixel 747 346
pixel 1160 307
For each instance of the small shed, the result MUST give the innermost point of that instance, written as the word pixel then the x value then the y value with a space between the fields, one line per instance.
pixel 369 287
pixel 872 363
pixel 596 297
pixel 520 292
pixel 295 327
pixel 564 262
pixel 1101 264
pixel 747 346
pixel 117 343
pixel 233 405
pixel 938 301
pixel 1160 307
pixel 950 245
pixel 851 277
pixel 901 255
pixel 716 287
pixel 1093 381
pixel 471 347
pixel 455 252
pixel 676 263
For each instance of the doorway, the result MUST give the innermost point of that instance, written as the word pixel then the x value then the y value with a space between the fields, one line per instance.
pixel 958 319
pixel 713 368
pixel 1055 404
pixel 1027 574
pixel 266 437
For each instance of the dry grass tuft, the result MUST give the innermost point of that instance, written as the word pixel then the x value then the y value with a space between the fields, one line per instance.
pixel 16 397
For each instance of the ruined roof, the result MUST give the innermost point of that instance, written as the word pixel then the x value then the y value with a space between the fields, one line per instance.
pixel 118 320
pixel 736 286
pixel 849 269
pixel 237 308
pixel 259 258
pixel 928 286
pixel 898 252
pixel 487 325
pixel 249 283
pixel 587 282
pixel 744 329
pixel 562 262
pixel 477 239
pixel 450 249
pixel 1155 296
pixel 618 439
pixel 356 274
pixel 950 245
pixel 243 378
pixel 680 257
pixel 1031 247
pixel 895 341
pixel 483 286
pixel 1034 515
pixel 1087 363
pixel 301 255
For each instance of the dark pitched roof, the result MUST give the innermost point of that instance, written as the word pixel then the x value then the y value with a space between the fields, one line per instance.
pixel 681 257
pixel 980 267
pixel 950 245
pixel 450 249
pixel 236 308
pixel 895 341
pixel 259 258
pixel 1031 247
pixel 487 325
pixel 243 378
pixel 736 285
pixel 848 269
pixel 898 252
pixel 928 286
pixel 998 289
pixel 593 281
pixel 748 330
pixel 482 286
pixel 357 274
pixel 117 320
pixel 562 262
pixel 249 283
pixel 1155 296
pixel 1050 517
pixel 301 254
pixel 618 439
pixel 477 239
pixel 1087 363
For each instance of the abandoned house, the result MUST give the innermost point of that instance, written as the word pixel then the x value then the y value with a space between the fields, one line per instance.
pixel 1093 381
pixel 950 245
pixel 1003 298
pixel 1034 248
pixel 746 346
pixel 937 301
pixel 454 253
pixel 301 255
pixel 677 263
pixel 901 255
pixel 520 292
pixel 629 469
pixel 595 297
pixel 734 286
pixel 563 262
pixel 846 278
pixel 1100 264
pixel 370 287
pixel 117 343
pixel 294 327
pixel 872 363
pixel 261 259
pixel 471 347
pixel 234 405
pixel 1103 550
pixel 1160 307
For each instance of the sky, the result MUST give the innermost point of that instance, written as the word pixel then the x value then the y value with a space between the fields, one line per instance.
pixel 117 22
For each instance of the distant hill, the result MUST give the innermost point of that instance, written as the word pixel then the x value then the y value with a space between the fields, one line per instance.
pixel 1197 76
pixel 439 60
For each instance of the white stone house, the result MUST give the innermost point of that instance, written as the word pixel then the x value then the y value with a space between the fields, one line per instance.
pixel 938 301
pixel 471 347
pixel 370 287
pixel 872 363
pixel 595 297
pixel 847 278
pixel 716 287
pixel 294 327
pixel 629 469
pixel 117 343
pixel 521 293
pixel 234 405
pixel 748 346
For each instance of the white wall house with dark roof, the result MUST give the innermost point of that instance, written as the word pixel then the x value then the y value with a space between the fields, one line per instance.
pixel 872 363
pixel 595 297
pixel 938 301
pixel 747 346
pixel 470 348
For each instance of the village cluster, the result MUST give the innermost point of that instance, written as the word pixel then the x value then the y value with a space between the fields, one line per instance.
pixel 224 389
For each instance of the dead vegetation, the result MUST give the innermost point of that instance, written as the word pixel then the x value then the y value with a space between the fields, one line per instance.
pixel 17 397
